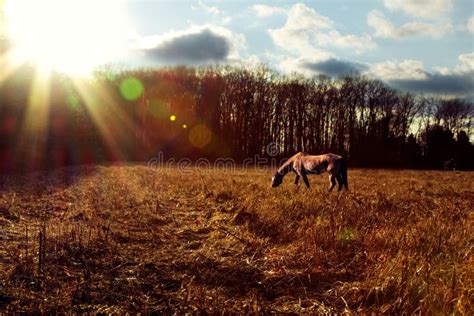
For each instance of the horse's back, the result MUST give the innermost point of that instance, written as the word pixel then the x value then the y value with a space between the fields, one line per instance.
pixel 330 161
pixel 329 157
pixel 333 157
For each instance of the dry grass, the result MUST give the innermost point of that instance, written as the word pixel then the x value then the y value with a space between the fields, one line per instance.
pixel 125 238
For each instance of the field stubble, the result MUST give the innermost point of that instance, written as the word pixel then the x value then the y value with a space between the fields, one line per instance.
pixel 126 238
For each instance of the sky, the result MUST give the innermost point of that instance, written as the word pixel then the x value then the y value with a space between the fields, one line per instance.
pixel 424 46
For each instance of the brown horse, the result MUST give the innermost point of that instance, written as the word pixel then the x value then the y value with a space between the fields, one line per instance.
pixel 303 164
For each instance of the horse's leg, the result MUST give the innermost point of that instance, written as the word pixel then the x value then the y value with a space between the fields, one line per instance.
pixel 297 178
pixel 332 182
pixel 305 179
pixel 339 182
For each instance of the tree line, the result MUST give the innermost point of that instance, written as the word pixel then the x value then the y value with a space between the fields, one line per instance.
pixel 50 120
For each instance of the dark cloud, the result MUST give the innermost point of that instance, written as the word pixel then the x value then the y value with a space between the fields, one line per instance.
pixel 200 47
pixel 458 83
pixel 335 67
pixel 461 84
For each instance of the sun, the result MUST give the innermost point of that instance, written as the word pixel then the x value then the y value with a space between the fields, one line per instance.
pixel 69 36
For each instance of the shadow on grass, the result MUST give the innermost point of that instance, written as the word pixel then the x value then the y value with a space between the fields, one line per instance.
pixel 238 279
pixel 36 181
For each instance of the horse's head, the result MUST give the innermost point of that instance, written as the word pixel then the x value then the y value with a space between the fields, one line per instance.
pixel 276 179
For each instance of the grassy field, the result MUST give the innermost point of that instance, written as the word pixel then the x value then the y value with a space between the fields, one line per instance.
pixel 128 238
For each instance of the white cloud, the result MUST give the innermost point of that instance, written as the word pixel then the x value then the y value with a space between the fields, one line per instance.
pixel 443 70
pixel 264 10
pixel 250 62
pixel 291 65
pixel 308 33
pixel 414 69
pixel 207 8
pixel 217 15
pixel 393 70
pixel 410 75
pixel 406 75
pixel 302 17
pixel 470 24
pixel 428 9
pixel 466 63
pixel 226 20
pixel 385 29
pixel 295 65
pixel 335 39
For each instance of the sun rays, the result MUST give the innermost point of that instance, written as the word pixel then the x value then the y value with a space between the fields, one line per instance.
pixel 72 37
pixel 34 128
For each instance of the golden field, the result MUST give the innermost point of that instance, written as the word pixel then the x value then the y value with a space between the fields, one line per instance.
pixel 124 238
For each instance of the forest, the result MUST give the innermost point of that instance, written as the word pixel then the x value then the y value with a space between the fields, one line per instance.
pixel 52 120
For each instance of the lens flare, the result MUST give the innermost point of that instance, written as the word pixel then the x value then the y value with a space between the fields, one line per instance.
pixel 158 108
pixel 200 136
pixel 131 88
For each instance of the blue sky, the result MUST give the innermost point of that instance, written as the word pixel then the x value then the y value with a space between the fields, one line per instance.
pixel 418 45
pixel 424 46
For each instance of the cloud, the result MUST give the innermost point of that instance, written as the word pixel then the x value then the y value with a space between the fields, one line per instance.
pixel 332 67
pixel 207 8
pixel 466 63
pixel 335 39
pixel 226 20
pixel 406 75
pixel 263 10
pixel 250 62
pixel 335 67
pixel 308 33
pixel 410 75
pixel 198 45
pixel 217 14
pixel 470 24
pixel 461 85
pixel 385 29
pixel 392 70
pixel 428 9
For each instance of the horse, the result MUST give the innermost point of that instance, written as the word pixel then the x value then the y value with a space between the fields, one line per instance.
pixel 303 163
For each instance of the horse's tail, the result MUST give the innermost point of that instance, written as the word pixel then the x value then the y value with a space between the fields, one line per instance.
pixel 344 173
